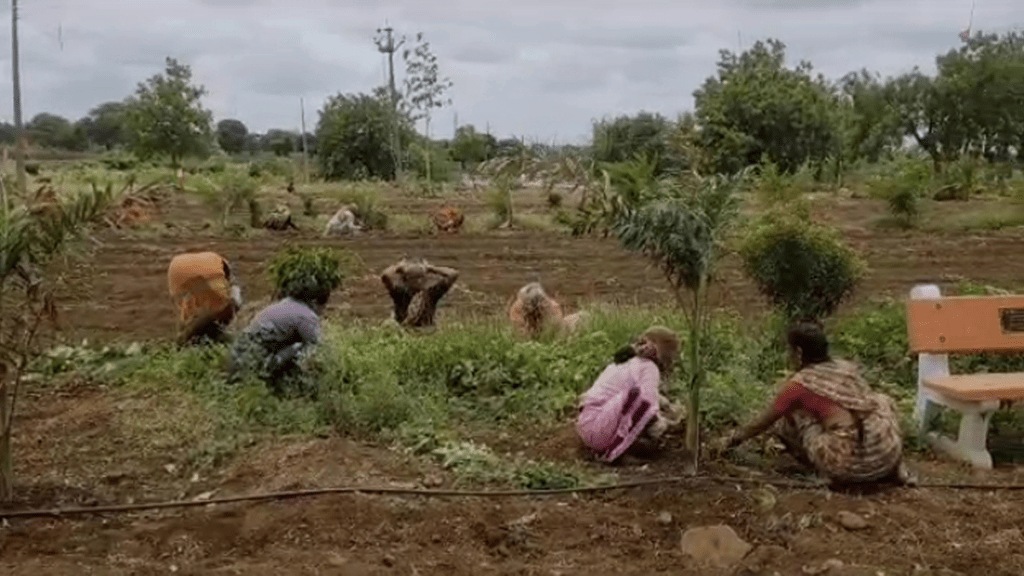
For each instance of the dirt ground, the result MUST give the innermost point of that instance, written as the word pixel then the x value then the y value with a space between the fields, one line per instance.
pixel 96 461
pixel 81 446
pixel 120 293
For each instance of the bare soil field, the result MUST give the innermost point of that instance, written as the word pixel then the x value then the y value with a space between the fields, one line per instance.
pixel 120 292
pixel 81 446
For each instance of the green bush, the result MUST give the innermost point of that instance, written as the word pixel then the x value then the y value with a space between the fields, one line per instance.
pixel 804 269
pixel 296 268
pixel 901 186
pixel 448 394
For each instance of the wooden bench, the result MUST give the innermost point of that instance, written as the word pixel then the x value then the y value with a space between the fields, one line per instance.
pixel 938 326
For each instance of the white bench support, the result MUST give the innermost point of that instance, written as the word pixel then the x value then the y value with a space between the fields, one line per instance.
pixel 971 443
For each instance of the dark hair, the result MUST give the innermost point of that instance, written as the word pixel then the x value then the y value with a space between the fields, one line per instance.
pixel 624 354
pixel 810 338
pixel 311 294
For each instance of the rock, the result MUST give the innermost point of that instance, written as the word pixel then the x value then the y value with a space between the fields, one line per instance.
pixel 665 518
pixel 763 558
pixel 851 521
pixel 718 546
pixel 823 568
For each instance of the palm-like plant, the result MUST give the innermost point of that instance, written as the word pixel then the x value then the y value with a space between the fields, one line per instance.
pixel 33 232
pixel 683 235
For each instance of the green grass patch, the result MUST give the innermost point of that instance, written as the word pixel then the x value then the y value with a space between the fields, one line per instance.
pixel 442 395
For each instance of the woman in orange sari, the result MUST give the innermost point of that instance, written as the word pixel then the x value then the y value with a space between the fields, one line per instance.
pixel 201 286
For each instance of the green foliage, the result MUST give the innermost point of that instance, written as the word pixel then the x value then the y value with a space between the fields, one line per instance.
pixel 756 107
pixel 32 236
pixel 902 187
pixel 296 269
pixel 804 269
pixel 353 137
pixel 231 135
pixel 166 116
pixel 683 237
pixel 625 138
pixel 471 148
pixel 106 125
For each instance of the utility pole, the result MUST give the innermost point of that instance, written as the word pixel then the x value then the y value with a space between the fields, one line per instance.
pixel 385 41
pixel 305 147
pixel 19 126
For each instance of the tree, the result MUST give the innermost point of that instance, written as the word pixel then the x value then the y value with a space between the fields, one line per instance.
pixel 354 137
pixel 756 107
pixel 32 235
pixel 472 147
pixel 50 131
pixel 425 88
pixel 231 135
pixel 870 128
pixel 105 125
pixel 627 137
pixel 973 105
pixel 683 237
pixel 280 142
pixel 166 116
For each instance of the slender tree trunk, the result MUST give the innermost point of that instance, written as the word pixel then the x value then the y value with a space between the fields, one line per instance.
pixel 6 458
pixel 428 151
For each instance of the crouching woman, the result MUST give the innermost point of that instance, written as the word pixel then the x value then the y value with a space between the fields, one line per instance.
pixel 829 419
pixel 624 407
pixel 281 336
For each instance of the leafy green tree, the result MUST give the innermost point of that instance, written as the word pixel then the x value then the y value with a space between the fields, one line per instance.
pixel 627 137
pixel 683 237
pixel 32 236
pixel 470 147
pixel 279 142
pixel 870 127
pixel 167 118
pixel 231 135
pixel 106 125
pixel 756 107
pixel 973 105
pixel 51 131
pixel 354 138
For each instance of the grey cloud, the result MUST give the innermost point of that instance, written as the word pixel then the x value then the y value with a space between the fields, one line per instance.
pixel 257 57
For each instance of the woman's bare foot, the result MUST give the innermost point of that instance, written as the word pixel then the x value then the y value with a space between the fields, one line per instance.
pixel 904 476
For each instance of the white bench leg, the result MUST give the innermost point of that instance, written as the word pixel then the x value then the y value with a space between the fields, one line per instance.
pixel 971 443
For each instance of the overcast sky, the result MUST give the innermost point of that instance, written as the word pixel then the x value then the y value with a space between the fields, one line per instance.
pixel 539 69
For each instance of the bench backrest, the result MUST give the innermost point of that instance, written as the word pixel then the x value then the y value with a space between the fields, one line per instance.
pixel 964 324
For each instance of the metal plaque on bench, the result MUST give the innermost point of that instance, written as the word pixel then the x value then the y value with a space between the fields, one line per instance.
pixel 1012 320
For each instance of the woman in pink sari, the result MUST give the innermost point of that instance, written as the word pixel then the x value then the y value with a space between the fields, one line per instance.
pixel 624 403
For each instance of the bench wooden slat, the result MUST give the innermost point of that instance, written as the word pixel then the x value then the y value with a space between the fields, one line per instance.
pixel 980 387
pixel 966 324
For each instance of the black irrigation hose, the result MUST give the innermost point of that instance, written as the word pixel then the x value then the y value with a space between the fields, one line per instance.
pixel 393 491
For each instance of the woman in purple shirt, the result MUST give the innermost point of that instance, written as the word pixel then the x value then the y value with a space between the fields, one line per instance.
pixel 281 334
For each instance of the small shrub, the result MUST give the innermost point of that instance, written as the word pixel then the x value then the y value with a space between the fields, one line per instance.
pixel 804 269
pixel 775 188
pixel 295 268
pixel 901 187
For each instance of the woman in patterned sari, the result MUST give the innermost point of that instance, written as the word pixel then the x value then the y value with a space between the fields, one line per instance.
pixel 829 418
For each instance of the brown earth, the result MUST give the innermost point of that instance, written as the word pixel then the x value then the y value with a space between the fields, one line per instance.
pixel 82 446
pixel 120 291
